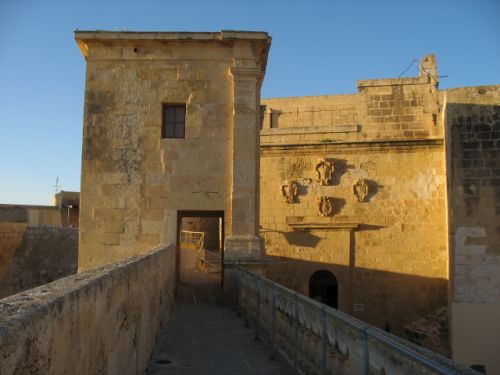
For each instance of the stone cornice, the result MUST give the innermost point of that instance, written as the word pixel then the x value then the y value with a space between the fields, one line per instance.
pixel 355 146
pixel 260 39
pixel 311 129
pixel 160 35
pixel 243 72
pixel 392 82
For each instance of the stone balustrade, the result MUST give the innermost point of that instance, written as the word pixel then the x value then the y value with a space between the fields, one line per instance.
pixel 102 321
pixel 317 339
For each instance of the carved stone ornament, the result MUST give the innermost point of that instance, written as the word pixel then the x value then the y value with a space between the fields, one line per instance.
pixel 325 206
pixel 324 170
pixel 289 191
pixel 361 190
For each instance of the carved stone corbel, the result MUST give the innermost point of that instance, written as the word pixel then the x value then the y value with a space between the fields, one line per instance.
pixel 324 170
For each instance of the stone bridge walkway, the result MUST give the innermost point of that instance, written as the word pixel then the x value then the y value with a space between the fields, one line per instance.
pixel 206 338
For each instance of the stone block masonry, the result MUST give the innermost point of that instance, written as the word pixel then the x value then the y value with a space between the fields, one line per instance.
pixel 388 248
pixel 32 256
pixel 473 156
pixel 102 321
pixel 134 177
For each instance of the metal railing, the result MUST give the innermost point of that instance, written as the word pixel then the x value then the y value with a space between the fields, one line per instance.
pixel 318 339
pixel 192 239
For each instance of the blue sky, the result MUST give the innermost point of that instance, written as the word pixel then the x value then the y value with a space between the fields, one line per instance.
pixel 319 47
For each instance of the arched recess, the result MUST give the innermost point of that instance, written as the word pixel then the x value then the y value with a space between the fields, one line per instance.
pixel 323 287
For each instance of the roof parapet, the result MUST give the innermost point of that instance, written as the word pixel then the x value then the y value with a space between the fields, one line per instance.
pixel 427 74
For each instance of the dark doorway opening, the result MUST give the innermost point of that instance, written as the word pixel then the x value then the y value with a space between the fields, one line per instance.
pixel 323 287
pixel 200 242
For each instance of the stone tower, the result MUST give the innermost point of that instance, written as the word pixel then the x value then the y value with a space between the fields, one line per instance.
pixel 171 123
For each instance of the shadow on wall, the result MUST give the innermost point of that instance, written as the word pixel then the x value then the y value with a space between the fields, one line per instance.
pixel 301 238
pixel 473 154
pixel 35 256
pixel 388 300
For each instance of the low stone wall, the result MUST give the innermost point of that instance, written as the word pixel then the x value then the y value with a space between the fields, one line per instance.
pixel 103 321
pixel 317 339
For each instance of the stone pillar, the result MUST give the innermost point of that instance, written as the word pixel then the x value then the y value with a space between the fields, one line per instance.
pixel 244 243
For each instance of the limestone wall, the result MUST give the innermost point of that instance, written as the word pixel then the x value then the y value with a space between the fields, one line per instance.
pixel 11 236
pixel 103 321
pixel 388 250
pixel 473 149
pixel 388 253
pixel 32 256
pixel 134 181
pixel 33 215
pixel 392 108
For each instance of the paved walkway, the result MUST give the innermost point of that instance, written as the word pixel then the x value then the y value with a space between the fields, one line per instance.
pixel 206 338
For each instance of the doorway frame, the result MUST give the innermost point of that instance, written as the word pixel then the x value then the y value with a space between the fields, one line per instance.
pixel 196 213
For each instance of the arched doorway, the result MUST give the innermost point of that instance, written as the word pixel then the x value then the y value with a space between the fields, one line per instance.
pixel 323 287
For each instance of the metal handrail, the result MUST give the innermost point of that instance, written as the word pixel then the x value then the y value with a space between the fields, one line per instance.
pixel 363 328
pixel 192 237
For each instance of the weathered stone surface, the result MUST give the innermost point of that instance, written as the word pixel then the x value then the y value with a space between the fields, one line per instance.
pixel 226 346
pixel 395 262
pixel 473 139
pixel 134 181
pixel 33 256
pixel 387 239
pixel 102 321
pixel 390 255
pixel 320 339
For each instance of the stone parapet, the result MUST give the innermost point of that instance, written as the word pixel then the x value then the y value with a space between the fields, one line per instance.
pixel 102 321
pixel 317 339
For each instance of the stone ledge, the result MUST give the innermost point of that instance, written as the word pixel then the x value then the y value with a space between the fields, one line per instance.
pixel 163 35
pixel 315 223
pixel 312 130
pixel 315 147
pixel 392 82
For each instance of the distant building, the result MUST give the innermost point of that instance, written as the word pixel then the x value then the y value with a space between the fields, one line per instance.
pixel 63 213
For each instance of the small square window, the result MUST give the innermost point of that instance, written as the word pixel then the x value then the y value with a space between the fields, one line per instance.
pixel 174 116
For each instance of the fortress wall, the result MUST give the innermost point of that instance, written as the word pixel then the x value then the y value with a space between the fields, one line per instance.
pixel 391 108
pixel 313 110
pixel 11 236
pixel 473 150
pixel 389 252
pixel 101 321
pixel 32 215
pixel 32 256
